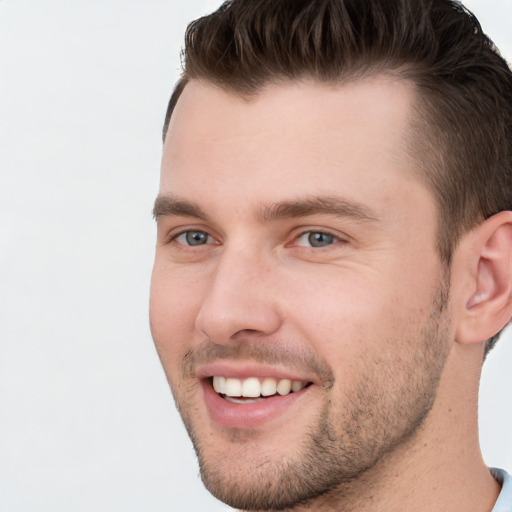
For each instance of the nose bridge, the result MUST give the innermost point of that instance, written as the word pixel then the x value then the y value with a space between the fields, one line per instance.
pixel 239 297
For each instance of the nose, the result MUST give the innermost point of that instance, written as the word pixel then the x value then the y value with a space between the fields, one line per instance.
pixel 240 300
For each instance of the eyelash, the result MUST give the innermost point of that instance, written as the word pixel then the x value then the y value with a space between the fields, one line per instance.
pixel 174 238
pixel 309 232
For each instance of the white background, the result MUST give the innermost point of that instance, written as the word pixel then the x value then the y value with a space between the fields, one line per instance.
pixel 87 422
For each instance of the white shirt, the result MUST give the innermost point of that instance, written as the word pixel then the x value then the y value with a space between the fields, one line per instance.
pixel 504 502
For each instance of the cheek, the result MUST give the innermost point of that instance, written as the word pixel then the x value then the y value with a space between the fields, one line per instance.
pixel 172 312
pixel 350 312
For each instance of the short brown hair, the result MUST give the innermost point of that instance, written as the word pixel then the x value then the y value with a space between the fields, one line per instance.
pixel 461 134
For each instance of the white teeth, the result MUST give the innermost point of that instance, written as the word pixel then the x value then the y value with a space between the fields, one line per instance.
pixel 233 387
pixel 297 385
pixel 268 387
pixel 253 387
pixel 284 386
pixel 219 384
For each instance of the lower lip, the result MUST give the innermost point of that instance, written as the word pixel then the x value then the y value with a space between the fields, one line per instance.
pixel 247 415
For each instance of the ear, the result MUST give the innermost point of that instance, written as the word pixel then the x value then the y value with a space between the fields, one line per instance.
pixel 487 306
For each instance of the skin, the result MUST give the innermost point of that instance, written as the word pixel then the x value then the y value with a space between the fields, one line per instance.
pixel 371 319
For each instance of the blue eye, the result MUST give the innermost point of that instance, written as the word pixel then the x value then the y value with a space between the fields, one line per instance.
pixel 194 238
pixel 316 239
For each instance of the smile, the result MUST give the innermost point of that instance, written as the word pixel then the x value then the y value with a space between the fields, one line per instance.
pixel 247 402
pixel 231 388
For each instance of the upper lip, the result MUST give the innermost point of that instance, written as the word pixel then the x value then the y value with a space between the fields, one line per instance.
pixel 238 370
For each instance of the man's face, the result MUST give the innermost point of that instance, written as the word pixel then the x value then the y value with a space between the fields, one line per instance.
pixel 296 248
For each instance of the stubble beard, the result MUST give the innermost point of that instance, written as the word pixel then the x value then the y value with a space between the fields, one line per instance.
pixel 383 409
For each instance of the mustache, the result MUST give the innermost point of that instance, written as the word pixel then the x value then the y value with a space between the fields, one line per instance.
pixel 257 352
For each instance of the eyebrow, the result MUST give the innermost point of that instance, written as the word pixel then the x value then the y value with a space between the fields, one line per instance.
pixel 168 206
pixel 331 205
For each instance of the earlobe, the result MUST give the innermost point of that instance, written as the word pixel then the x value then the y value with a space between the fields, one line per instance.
pixel 488 307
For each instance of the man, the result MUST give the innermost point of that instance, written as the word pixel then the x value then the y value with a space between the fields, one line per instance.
pixel 334 252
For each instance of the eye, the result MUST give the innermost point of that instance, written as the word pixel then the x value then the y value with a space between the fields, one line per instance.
pixel 194 238
pixel 316 239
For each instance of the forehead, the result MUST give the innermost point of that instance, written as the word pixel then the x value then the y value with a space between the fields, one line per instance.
pixel 290 139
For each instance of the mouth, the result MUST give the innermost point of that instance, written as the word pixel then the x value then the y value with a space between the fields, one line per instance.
pixel 244 400
pixel 254 389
